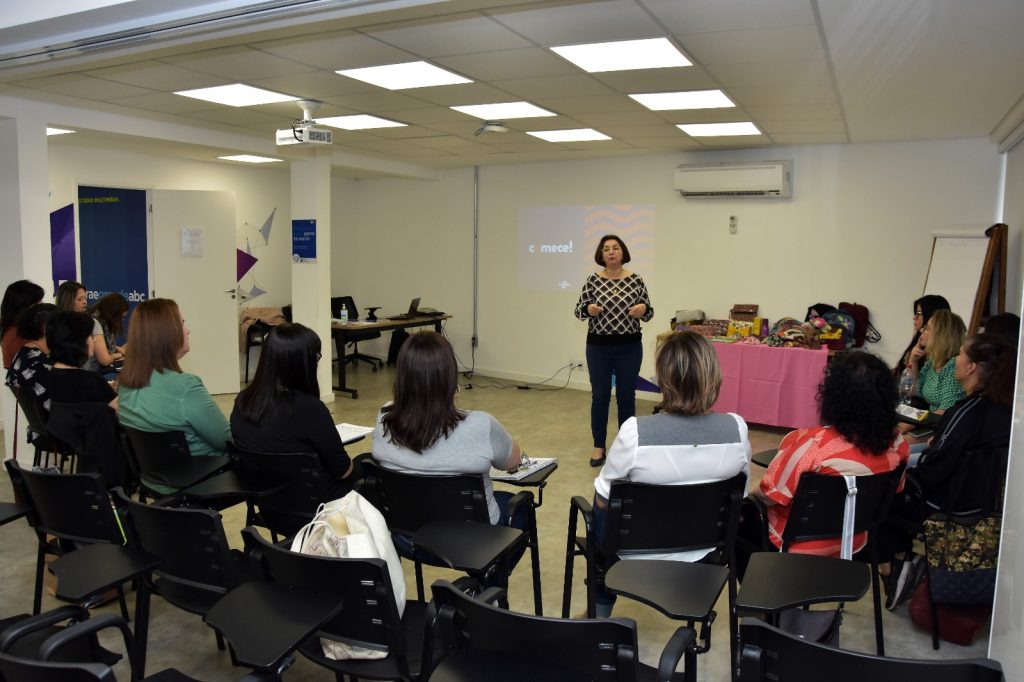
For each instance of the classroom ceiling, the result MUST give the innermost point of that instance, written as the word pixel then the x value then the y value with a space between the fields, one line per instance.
pixel 803 71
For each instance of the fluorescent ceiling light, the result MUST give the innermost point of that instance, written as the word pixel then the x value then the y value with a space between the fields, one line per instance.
pixel 57 131
pixel 574 135
pixel 236 95
pixel 719 129
pixel 405 76
pixel 624 55
pixel 358 122
pixel 694 99
pixel 249 158
pixel 503 110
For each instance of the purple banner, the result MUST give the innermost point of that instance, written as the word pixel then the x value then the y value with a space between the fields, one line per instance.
pixel 62 245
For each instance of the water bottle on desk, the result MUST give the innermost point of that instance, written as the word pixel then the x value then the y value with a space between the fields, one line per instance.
pixel 906 386
pixel 344 314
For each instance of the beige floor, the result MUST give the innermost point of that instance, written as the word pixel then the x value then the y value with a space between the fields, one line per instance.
pixel 547 424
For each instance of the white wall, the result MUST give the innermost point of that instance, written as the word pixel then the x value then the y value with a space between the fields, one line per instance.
pixel 858 228
pixel 1008 613
pixel 257 191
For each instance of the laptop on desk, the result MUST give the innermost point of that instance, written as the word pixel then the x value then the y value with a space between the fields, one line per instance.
pixel 413 311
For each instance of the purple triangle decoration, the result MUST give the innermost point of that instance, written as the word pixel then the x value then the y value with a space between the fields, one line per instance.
pixel 265 230
pixel 244 262
pixel 645 385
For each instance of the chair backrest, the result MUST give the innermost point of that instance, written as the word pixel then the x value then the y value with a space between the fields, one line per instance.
pixel 33 411
pixel 71 506
pixel 673 518
pixel 191 543
pixel 369 616
pixel 816 512
pixel 285 512
pixel 92 431
pixel 409 500
pixel 150 451
pixel 338 302
pixel 15 669
pixel 771 654
pixel 603 649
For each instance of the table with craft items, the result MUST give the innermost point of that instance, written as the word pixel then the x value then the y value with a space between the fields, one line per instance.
pixel 769 385
pixel 383 325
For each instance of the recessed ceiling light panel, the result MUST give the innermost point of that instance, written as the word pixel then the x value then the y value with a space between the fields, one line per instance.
pixel 236 95
pixel 693 99
pixel 624 55
pixel 405 76
pixel 719 129
pixel 249 158
pixel 573 135
pixel 503 110
pixel 359 122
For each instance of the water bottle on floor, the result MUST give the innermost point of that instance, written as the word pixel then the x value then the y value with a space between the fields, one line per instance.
pixel 906 386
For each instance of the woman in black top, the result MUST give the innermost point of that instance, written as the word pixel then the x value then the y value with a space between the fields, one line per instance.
pixel 614 301
pixel 281 412
pixel 70 340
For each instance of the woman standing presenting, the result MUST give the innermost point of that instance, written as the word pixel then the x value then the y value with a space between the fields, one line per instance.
pixel 614 301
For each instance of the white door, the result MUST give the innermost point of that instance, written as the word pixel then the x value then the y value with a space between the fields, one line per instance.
pixel 193 247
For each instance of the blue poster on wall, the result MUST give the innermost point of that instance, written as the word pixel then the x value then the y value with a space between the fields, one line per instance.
pixel 112 240
pixel 304 241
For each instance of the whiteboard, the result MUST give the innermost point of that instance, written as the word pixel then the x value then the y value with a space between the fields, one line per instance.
pixel 955 270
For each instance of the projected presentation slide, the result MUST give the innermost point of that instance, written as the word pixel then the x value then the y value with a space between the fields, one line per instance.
pixel 557 243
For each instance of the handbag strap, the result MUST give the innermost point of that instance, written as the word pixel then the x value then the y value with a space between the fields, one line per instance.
pixel 849 517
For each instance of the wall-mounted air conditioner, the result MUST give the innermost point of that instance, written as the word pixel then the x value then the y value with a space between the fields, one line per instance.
pixel 755 179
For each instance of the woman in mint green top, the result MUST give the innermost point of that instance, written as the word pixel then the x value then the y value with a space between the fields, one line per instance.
pixel 940 342
pixel 154 394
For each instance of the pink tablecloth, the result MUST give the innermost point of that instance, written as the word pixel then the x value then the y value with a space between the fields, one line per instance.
pixel 774 386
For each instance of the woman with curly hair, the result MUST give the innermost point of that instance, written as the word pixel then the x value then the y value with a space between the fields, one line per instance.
pixel 858 437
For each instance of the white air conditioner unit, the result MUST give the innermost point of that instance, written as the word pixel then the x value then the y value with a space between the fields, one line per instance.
pixel 755 179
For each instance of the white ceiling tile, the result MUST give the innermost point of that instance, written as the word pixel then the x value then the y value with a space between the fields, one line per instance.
pixel 313 85
pixel 795 112
pixel 163 102
pixel 810 138
pixel 239 64
pixel 790 43
pixel 342 50
pixel 462 93
pixel 783 95
pixel 155 75
pixel 664 143
pixel 553 86
pixel 460 35
pixel 424 116
pixel 588 22
pixel 702 16
pixel 236 116
pixel 495 65
pixel 86 87
pixel 658 80
pixel 753 74
pixel 827 126
pixel 632 132
pixel 623 118
pixel 372 102
pixel 588 104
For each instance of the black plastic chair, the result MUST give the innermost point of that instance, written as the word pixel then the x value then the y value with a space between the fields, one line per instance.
pixel 769 654
pixel 283 512
pixel 254 337
pixel 447 517
pixel 478 640
pixel 22 635
pixel 43 441
pixel 368 618
pixel 816 513
pixel 644 518
pixel 350 337
pixel 198 566
pixel 73 508
pixel 161 459
pixel 92 431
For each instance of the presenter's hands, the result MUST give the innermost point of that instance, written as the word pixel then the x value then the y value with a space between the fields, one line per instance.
pixel 594 310
pixel 638 310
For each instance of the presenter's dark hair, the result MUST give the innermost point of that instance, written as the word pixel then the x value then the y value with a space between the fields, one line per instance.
pixel 66 293
pixel 423 410
pixel 110 310
pixel 155 337
pixel 688 374
pixel 287 366
pixel 67 337
pixel 32 322
pixel 599 259
pixel 997 364
pixel 858 399
pixel 18 296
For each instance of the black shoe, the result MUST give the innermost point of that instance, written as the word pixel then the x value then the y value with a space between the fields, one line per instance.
pixel 890 582
pixel 598 462
pixel 909 578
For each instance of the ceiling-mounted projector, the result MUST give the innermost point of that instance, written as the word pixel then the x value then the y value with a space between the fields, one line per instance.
pixel 305 130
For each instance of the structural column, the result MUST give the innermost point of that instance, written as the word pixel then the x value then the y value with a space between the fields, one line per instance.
pixel 311 282
pixel 25 228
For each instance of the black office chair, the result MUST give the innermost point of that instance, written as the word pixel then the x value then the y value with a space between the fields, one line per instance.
pixel 198 566
pixel 350 337
pixel 39 437
pixel 479 641
pixel 254 337
pixel 161 459
pixel 816 513
pixel 285 510
pixel 22 635
pixel 92 431
pixel 369 617
pixel 72 509
pixel 769 654
pixel 645 518
pixel 447 518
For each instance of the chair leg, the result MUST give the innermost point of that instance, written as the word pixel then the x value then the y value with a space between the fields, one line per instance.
pixel 538 607
pixel 934 613
pixel 419 580
pixel 876 595
pixel 37 600
pixel 220 640
pixel 122 603
pixel 570 556
pixel 734 630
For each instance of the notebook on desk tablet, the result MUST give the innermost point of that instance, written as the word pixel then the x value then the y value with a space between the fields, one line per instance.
pixel 414 306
